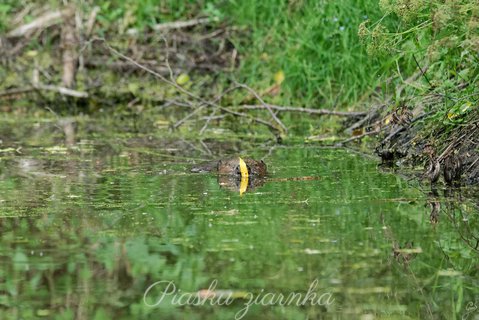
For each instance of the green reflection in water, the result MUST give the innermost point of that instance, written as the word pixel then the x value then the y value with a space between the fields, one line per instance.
pixel 84 234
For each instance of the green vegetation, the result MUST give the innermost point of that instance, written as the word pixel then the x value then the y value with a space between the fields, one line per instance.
pixel 97 201
pixel 315 43
pixel 333 54
pixel 441 40
pixel 83 236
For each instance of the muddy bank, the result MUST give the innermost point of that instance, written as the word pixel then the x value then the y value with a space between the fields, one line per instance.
pixel 410 137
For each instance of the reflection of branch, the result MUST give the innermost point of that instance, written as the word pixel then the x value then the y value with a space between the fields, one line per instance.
pixel 388 235
pixel 454 221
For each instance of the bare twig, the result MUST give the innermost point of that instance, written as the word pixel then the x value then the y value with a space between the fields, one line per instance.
pixel 189 115
pixel 375 111
pixel 61 90
pixel 166 26
pixel 19 16
pixel 472 165
pixel 212 114
pixel 180 24
pixel 446 152
pixel 184 91
pixel 16 91
pixel 358 137
pixel 126 66
pixel 265 105
pixel 304 110
pixel 91 21
pixel 207 122
pixel 44 21
pixel 156 74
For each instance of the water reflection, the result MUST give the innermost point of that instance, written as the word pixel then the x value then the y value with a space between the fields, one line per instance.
pixel 87 229
pixel 240 185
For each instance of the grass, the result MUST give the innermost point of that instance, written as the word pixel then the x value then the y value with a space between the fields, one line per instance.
pixel 315 43
pixel 317 47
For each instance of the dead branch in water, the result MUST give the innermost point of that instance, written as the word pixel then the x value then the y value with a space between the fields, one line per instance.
pixel 358 137
pixel 273 115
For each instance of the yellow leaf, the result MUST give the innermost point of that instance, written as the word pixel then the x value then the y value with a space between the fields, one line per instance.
pixel 243 168
pixel 244 176
pixel 32 53
pixel 387 120
pixel 182 79
pixel 279 77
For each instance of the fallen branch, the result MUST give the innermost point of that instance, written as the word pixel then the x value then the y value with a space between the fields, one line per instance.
pixel 180 24
pixel 42 22
pixel 173 25
pixel 305 110
pixel 265 105
pixel 450 147
pixel 370 115
pixel 358 137
pixel 91 21
pixel 61 90
pixel 184 91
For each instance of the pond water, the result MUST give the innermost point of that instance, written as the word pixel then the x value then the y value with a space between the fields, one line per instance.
pixel 120 229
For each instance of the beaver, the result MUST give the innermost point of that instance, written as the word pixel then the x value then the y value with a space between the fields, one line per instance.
pixel 231 167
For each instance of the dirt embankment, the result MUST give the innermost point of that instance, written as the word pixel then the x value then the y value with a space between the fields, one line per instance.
pixel 414 135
